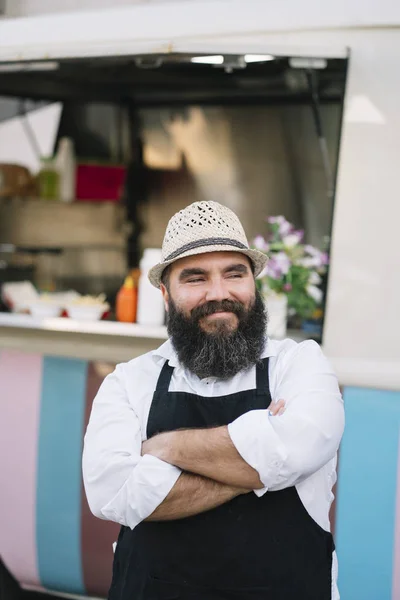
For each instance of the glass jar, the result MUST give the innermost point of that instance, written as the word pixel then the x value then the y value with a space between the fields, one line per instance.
pixel 48 180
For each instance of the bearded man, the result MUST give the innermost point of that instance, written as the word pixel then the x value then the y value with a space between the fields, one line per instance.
pixel 217 451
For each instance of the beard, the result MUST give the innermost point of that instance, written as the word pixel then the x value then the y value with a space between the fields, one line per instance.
pixel 224 351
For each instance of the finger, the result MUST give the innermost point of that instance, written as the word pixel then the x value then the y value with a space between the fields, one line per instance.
pixel 277 408
pixel 274 408
pixel 282 407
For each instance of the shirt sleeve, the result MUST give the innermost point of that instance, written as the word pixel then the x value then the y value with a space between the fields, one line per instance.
pixel 287 449
pixel 120 484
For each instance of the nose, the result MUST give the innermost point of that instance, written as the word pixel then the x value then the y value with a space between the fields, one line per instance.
pixel 217 290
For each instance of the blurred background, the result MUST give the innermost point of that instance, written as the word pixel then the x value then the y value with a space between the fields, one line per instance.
pixel 150 134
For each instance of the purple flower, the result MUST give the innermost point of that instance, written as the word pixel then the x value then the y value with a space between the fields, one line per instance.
pixel 283 261
pixel 293 238
pixel 273 271
pixel 260 243
pixel 278 266
pixel 284 227
pixel 315 259
pixel 310 262
pixel 287 287
pixel 325 258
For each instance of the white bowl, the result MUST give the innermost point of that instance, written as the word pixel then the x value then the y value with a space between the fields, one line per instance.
pixel 88 312
pixel 45 310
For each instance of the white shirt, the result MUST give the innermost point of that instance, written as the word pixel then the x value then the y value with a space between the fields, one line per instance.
pixel 297 448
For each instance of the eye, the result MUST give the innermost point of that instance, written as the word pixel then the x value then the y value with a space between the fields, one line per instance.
pixel 235 276
pixel 195 280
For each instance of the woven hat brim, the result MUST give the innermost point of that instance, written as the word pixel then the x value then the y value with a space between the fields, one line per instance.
pixel 259 260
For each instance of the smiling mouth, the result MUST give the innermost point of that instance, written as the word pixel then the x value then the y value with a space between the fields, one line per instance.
pixel 220 313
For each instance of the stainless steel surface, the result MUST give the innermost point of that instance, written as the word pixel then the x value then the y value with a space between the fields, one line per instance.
pixel 259 161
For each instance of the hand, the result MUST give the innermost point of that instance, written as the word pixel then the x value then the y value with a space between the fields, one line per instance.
pixel 277 408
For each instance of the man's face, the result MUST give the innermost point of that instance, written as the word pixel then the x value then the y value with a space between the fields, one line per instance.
pixel 216 319
pixel 211 278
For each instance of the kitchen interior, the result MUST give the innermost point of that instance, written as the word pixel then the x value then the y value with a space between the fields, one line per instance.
pixel 96 154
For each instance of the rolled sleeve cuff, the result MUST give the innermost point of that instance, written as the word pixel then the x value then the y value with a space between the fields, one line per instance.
pixel 259 445
pixel 149 484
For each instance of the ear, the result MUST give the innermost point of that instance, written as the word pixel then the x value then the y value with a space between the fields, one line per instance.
pixel 165 295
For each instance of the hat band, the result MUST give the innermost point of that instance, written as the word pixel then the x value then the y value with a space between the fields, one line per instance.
pixel 206 242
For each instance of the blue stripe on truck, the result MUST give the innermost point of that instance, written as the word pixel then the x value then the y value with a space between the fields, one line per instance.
pixel 366 499
pixel 58 507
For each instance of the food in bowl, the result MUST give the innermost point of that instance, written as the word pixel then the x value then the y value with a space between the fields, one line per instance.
pixel 87 308
pixel 45 307
pixel 45 310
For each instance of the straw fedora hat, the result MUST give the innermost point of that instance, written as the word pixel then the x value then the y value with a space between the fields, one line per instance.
pixel 204 227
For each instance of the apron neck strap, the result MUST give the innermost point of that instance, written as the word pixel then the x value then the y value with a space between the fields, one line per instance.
pixel 262 377
pixel 164 378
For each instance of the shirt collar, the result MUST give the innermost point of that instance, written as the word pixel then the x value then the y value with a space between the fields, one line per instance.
pixel 167 352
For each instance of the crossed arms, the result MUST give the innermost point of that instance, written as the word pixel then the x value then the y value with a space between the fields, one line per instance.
pixel 181 473
pixel 213 471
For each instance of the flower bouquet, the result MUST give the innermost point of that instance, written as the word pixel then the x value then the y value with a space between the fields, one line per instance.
pixel 294 269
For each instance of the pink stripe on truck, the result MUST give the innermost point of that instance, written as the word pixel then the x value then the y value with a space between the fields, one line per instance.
pixel 20 384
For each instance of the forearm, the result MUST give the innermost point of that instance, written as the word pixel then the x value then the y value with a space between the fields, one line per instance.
pixel 191 495
pixel 210 453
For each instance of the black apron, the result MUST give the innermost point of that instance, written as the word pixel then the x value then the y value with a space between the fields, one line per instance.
pixel 250 548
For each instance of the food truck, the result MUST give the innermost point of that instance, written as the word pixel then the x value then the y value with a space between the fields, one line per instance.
pixel 272 110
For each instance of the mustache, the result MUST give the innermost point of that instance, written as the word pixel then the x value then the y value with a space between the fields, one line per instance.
pixel 209 308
